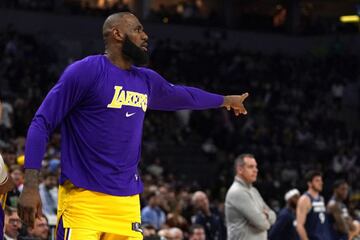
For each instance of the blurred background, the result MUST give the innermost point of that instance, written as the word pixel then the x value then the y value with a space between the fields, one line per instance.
pixel 298 59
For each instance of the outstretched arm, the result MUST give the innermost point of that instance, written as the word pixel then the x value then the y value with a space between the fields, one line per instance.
pixel 170 97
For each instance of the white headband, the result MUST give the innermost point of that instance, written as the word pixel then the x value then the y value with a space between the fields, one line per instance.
pixel 291 193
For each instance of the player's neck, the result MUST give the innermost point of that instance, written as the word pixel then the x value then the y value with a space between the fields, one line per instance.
pixel 291 207
pixel 118 60
pixel 337 198
pixel 313 193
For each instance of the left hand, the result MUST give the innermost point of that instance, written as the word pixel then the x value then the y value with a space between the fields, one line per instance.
pixel 235 102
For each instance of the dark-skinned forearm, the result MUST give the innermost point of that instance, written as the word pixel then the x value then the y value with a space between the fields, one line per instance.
pixel 31 178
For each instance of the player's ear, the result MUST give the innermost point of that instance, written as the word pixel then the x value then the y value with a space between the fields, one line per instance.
pixel 238 169
pixel 118 35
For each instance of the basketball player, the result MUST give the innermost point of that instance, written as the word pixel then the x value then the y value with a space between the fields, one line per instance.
pixel 311 222
pixel 100 103
pixel 342 226
pixel 6 184
pixel 285 221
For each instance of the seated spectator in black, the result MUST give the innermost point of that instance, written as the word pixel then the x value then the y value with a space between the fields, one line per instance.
pixel 197 232
pixel 207 217
pixel 341 223
pixel 284 226
pixel 12 224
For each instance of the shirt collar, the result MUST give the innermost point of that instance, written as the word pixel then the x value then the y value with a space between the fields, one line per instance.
pixel 7 237
pixel 242 182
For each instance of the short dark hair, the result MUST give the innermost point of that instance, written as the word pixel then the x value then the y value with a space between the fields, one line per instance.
pixel 148 226
pixel 338 183
pixel 15 167
pixel 150 195
pixel 9 210
pixel 194 227
pixel 240 159
pixel 310 175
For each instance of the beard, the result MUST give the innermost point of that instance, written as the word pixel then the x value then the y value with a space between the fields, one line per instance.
pixel 317 189
pixel 136 54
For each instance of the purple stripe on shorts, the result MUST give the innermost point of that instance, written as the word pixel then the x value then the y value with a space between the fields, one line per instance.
pixel 60 233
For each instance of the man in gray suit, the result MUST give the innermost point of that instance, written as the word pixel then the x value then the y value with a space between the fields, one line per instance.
pixel 247 215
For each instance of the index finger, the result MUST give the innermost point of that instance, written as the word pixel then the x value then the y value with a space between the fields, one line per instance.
pixel 244 96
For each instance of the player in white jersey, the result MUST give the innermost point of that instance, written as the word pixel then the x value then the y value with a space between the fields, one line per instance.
pixel 6 184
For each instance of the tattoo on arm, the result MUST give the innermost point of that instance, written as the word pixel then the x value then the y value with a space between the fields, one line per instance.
pixel 31 178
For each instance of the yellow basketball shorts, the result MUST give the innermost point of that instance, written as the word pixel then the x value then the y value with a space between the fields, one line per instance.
pixel 89 215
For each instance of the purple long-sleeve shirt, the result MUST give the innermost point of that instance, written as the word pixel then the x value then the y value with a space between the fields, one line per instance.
pixel 101 110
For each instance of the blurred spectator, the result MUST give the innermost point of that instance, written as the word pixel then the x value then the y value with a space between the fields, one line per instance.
pixel 49 193
pixel 18 177
pixel 152 213
pixel 285 221
pixel 337 90
pixel 197 232
pixel 40 231
pixel 289 174
pixel 163 233
pixel 9 156
pixel 175 219
pixel 175 216
pixel 174 234
pixel 7 111
pixel 156 168
pixel 6 119
pixel 148 230
pixel 209 218
pixel 344 162
pixel 12 224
